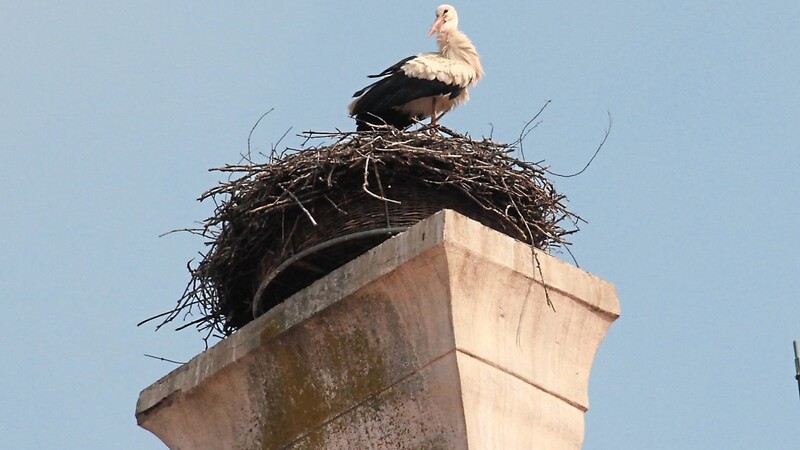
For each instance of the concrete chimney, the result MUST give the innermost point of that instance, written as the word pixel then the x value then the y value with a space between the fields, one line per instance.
pixel 440 337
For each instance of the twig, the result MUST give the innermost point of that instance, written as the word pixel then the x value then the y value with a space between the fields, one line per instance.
pixel 365 186
pixel 195 231
pixel 254 129
pixel 383 194
pixel 300 204
pixel 164 359
pixel 524 132
pixel 273 150
pixel 533 253
pixel 605 137
pixel 575 260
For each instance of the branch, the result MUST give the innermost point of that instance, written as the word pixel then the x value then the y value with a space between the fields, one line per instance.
pixel 254 129
pixel 300 204
pixel 524 132
pixel 365 186
pixel 164 359
pixel 608 131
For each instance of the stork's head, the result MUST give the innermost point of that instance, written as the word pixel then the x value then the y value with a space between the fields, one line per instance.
pixel 446 19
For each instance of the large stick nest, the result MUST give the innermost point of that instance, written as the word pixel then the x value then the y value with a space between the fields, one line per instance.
pixel 300 203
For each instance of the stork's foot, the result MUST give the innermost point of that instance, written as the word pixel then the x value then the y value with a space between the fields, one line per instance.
pixel 432 128
pixel 435 119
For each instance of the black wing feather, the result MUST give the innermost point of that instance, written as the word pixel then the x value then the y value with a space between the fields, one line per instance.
pixel 399 89
pixel 390 70
pixel 380 100
pixel 394 68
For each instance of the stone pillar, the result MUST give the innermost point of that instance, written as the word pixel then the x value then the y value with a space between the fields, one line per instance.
pixel 441 337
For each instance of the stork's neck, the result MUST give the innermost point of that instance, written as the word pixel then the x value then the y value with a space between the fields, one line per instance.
pixel 455 45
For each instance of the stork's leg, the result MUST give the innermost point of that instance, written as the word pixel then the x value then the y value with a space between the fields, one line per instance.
pixel 439 117
pixel 434 118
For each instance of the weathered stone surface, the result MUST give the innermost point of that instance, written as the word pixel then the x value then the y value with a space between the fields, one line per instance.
pixel 440 337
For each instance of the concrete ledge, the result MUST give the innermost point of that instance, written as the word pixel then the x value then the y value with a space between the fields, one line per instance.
pixel 438 338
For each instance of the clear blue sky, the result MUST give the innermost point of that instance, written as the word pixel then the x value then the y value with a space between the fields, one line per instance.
pixel 112 112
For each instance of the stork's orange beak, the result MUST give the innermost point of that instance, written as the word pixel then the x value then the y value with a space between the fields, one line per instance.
pixel 436 25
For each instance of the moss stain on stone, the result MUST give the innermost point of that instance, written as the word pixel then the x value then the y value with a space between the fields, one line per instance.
pixel 319 370
pixel 272 327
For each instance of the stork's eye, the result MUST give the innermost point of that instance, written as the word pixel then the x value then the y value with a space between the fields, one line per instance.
pixel 445 11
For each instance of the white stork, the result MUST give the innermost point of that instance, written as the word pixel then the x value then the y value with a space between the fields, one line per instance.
pixel 421 86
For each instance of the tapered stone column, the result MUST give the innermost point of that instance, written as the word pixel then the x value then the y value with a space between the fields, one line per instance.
pixel 441 337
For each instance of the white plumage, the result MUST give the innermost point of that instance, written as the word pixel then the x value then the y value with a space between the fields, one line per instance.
pixel 422 86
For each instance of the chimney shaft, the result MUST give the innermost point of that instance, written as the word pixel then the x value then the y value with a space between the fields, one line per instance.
pixel 440 337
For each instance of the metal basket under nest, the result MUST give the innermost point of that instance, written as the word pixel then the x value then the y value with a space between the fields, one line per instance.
pixel 350 222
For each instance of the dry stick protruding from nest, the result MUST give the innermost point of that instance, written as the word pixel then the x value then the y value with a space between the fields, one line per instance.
pixel 303 208
pixel 596 152
pixel 526 130
pixel 250 135
pixel 365 186
pixel 536 266
pixel 599 147
pixel 165 359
